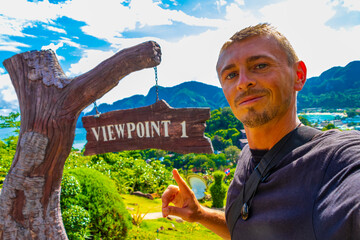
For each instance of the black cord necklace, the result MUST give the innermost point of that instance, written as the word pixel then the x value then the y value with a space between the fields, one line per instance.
pixel 265 168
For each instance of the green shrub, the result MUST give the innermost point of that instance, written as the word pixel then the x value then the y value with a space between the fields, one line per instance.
pixel 7 152
pixel 131 174
pixel 219 143
pixel 70 188
pixel 76 220
pixel 218 190
pixel 108 217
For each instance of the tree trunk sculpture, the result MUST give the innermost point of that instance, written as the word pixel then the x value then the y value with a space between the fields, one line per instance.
pixel 50 105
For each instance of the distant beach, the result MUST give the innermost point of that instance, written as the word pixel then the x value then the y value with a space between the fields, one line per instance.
pixel 324 113
pixel 321 116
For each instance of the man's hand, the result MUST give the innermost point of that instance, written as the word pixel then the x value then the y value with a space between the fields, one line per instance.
pixel 186 205
pixel 188 208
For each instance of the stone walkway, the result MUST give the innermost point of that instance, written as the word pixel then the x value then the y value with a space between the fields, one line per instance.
pixel 156 215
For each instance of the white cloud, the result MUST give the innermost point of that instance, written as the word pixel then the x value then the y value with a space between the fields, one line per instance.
pixel 7 91
pixel 192 57
pixel 197 7
pixel 63 41
pixel 220 3
pixel 320 46
pixel 16 15
pixel 104 21
pixel 108 21
pixel 53 47
pixel 352 4
pixel 55 29
pixel 174 2
pixel 238 18
pixel 41 11
pixel 69 42
pixel 240 2
pixel 151 14
pixel 11 46
pixel 5 80
pixel 8 94
pixel 60 58
pixel 89 60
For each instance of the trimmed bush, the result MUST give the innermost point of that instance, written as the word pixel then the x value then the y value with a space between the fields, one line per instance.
pixel 76 220
pixel 132 175
pixel 218 190
pixel 109 218
pixel 70 188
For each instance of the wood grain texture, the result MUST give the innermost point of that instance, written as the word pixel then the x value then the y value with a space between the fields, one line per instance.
pixel 156 126
pixel 50 104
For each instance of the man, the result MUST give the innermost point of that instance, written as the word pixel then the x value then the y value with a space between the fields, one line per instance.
pixel 314 190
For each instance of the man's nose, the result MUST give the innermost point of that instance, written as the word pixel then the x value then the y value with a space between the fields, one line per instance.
pixel 244 80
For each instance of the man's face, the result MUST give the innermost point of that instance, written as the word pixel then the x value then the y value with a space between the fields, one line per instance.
pixel 257 80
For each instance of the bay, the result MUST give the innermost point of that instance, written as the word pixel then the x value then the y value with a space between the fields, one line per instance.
pixel 318 118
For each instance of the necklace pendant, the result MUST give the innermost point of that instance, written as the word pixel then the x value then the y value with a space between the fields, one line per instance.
pixel 244 212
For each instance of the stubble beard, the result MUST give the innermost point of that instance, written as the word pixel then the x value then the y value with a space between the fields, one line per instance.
pixel 255 119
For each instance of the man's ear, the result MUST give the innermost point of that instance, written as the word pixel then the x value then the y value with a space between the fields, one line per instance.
pixel 300 78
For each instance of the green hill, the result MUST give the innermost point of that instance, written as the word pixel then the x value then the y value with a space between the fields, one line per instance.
pixel 338 87
pixel 188 94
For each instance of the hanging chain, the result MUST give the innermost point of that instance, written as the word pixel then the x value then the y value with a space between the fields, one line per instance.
pixel 156 84
pixel 156 87
pixel 96 109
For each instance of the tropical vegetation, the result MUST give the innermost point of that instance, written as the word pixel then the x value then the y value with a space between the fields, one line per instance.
pixel 96 200
pixel 93 187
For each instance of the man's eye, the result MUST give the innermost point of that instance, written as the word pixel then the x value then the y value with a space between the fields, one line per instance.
pixel 231 75
pixel 261 66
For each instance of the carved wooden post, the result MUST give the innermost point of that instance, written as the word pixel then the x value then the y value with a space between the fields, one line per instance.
pixel 50 104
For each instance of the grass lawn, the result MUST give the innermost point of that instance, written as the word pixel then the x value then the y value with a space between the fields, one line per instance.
pixel 171 230
pixel 144 204
pixel 168 229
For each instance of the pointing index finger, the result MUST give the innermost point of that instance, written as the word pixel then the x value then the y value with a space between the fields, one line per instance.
pixel 181 182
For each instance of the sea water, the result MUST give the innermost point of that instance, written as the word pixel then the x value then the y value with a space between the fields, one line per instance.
pixel 79 141
pixel 318 118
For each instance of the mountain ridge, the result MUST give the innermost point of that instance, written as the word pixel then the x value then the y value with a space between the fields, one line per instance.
pixel 186 94
pixel 337 87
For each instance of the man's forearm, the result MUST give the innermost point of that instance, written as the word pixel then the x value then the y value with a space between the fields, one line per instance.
pixel 215 221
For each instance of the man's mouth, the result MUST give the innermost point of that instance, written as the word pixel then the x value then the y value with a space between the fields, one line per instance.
pixel 248 100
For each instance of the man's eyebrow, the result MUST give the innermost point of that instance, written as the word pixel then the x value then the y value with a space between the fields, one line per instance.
pixel 226 68
pixel 254 58
pixel 249 60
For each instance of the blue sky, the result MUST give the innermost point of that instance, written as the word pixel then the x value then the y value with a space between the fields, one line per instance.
pixel 324 33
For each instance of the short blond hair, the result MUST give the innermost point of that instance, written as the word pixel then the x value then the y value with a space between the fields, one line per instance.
pixel 264 29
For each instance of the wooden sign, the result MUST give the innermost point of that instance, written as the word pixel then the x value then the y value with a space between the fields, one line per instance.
pixel 157 126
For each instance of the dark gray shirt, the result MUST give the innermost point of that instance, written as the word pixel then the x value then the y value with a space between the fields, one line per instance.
pixel 313 194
